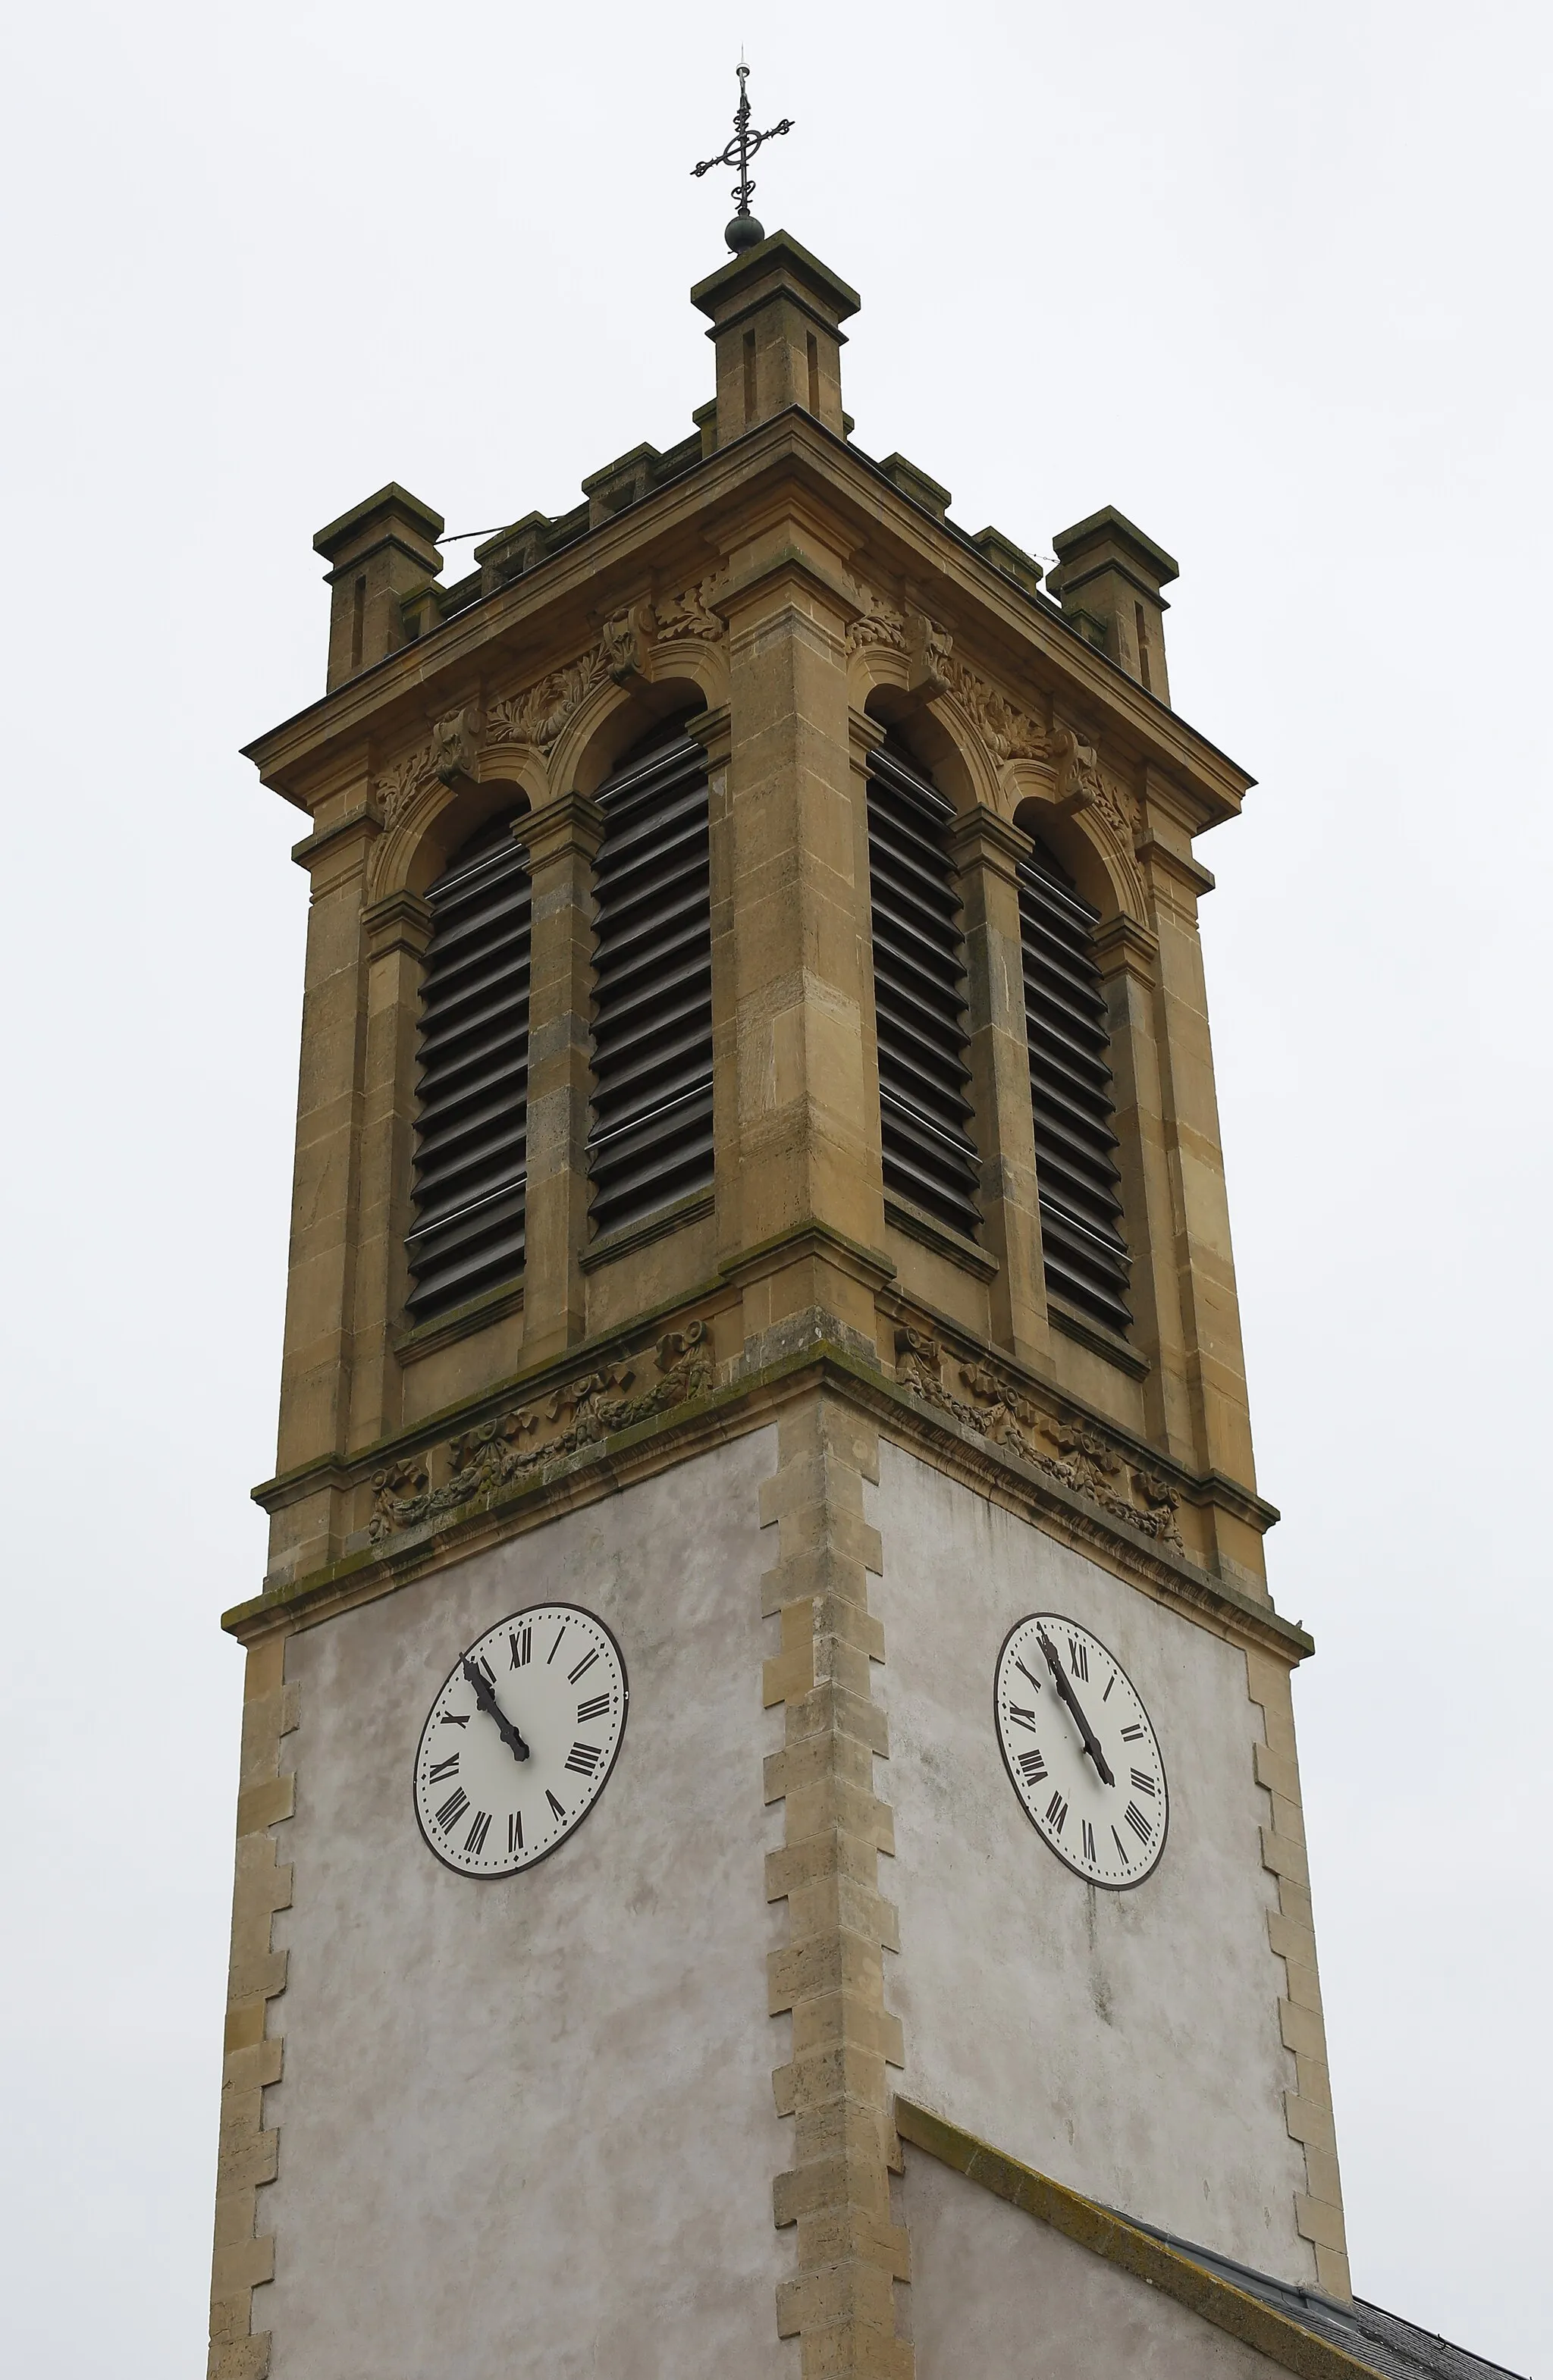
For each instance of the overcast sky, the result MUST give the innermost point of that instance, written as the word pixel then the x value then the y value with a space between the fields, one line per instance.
pixel 1272 279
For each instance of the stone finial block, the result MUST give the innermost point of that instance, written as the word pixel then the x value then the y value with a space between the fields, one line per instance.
pixel 1010 559
pixel 624 481
pixel 1107 580
pixel 916 485
pixel 379 551
pixel 776 314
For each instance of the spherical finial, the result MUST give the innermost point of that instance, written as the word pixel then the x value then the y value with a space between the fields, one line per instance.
pixel 745 231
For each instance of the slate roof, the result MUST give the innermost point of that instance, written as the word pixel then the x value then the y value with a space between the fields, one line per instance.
pixel 1381 2341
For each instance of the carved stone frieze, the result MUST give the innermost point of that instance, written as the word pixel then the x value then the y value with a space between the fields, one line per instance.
pixel 1081 784
pixel 538 715
pixel 495 1454
pixel 1084 1459
pixel 396 787
pixel 690 613
pixel 935 668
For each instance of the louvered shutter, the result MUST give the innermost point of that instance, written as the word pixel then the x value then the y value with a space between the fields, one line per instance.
pixel 918 995
pixel 1070 1091
pixel 652 1140
pixel 472 1103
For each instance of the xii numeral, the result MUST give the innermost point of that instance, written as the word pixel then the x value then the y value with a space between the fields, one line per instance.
pixel 1033 1768
pixel 583 1758
pixel 522 1642
pixel 1078 1658
pixel 594 1710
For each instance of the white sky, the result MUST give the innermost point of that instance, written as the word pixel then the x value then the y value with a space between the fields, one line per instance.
pixel 1273 280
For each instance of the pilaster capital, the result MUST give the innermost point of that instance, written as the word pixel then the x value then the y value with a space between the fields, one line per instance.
pixel 982 837
pixel 400 921
pixel 864 736
pixel 1162 858
pixel 1123 947
pixel 565 826
pixel 713 730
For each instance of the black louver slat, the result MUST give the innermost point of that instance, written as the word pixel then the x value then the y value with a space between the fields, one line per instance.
pixel 472 1112
pixel 1070 1090
pixel 918 996
pixel 652 1140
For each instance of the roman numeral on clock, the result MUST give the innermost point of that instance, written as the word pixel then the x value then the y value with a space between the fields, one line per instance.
pixel 583 1666
pixel 1027 1674
pixel 515 1832
pixel 1132 1735
pixel 1088 1842
pixel 1145 1784
pixel 522 1642
pixel 594 1710
pixel 1057 1813
pixel 1139 1823
pixel 554 1804
pixel 453 1809
pixel 1078 1658
pixel 454 1718
pixel 441 1769
pixel 583 1758
pixel 1020 1716
pixel 1033 1768
pixel 474 1841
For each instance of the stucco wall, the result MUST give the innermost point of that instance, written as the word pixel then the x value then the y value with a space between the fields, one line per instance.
pixel 1126 2044
pixel 996 2294
pixel 527 2126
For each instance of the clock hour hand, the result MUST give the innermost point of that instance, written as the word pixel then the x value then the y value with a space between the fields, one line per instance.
pixel 487 1701
pixel 1064 1687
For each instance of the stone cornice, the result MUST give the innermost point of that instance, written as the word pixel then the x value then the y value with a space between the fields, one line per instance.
pixel 671 1432
pixel 549 608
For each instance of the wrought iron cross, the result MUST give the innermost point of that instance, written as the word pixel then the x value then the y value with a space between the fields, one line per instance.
pixel 743 231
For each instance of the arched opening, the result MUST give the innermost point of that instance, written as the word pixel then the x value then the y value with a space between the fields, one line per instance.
pixel 472 1090
pixel 651 1137
pixel 919 1004
pixel 1076 1176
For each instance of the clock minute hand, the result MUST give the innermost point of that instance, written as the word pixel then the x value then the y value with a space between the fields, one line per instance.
pixel 488 1703
pixel 1064 1687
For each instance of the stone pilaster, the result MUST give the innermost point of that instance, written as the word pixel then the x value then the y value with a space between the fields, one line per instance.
pixel 830 1977
pixel 398 933
pixel 984 848
pixel 807 1165
pixel 247 2158
pixel 563 836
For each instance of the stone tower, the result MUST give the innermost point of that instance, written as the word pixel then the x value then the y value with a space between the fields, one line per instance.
pixel 759 1223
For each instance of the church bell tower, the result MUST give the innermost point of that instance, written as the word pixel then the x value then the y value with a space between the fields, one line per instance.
pixel 769 1835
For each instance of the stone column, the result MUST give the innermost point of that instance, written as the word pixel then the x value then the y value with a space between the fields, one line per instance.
pixel 1212 1356
pixel 380 551
pixel 399 931
pixel 563 835
pixel 776 314
pixel 984 848
pixel 807 1199
pixel 316 1361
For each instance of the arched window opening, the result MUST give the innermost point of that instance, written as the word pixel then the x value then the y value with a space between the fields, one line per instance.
pixel 920 1006
pixel 472 1093
pixel 1085 1255
pixel 652 1140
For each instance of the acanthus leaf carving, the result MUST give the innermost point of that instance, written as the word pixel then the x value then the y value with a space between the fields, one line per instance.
pixel 497 1454
pixel 538 715
pixel 878 624
pixel 998 1409
pixel 397 786
pixel 455 743
pixel 689 613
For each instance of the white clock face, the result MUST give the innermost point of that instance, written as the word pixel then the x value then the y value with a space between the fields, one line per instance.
pixel 1081 1750
pixel 520 1742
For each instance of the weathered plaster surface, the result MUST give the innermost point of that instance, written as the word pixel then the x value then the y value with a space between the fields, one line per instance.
pixel 996 2294
pixel 527 2126
pixel 1126 2044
